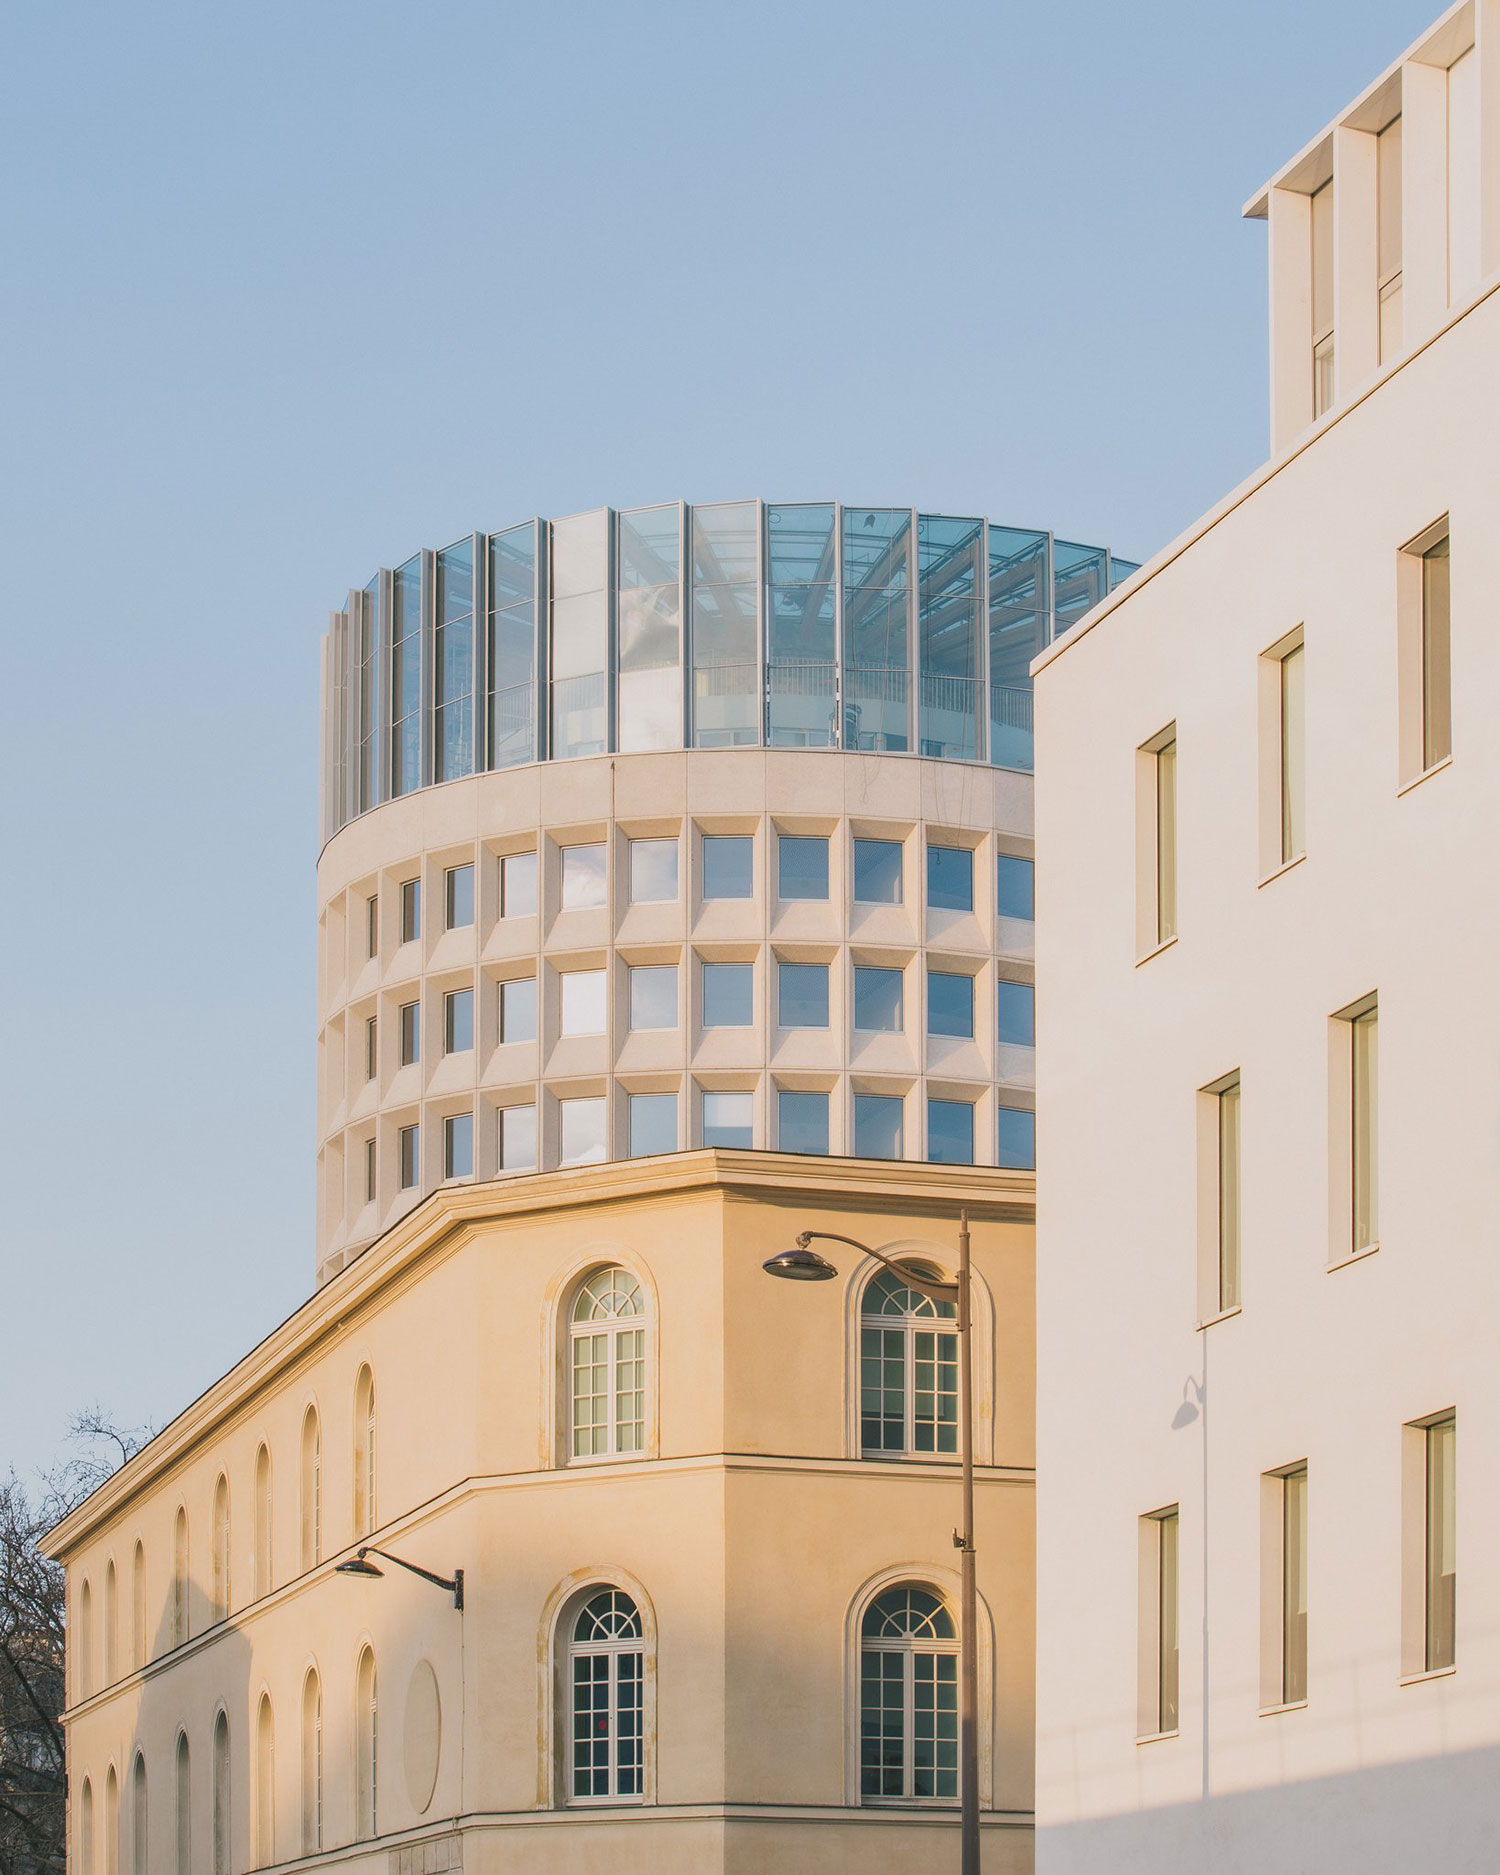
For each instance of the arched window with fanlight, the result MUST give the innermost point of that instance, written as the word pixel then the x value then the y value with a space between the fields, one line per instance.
pixel 607 1367
pixel 312 1489
pixel 366 1748
pixel 908 1698
pixel 364 1453
pixel 908 1378
pixel 312 1763
pixel 221 1549
pixel 606 1700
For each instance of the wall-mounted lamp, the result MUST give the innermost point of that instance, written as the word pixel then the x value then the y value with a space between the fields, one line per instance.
pixel 359 1565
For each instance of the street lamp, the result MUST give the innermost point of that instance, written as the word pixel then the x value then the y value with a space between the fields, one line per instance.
pixel 804 1264
pixel 359 1565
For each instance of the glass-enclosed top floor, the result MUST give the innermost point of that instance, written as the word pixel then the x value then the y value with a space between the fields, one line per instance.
pixel 801 625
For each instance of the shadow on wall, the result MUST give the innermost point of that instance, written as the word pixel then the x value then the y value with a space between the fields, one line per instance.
pixel 1437 1814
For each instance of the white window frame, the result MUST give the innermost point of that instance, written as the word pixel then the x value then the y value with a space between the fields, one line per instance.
pixel 611 1328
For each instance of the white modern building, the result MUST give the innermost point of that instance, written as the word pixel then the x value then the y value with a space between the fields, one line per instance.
pixel 1268 1102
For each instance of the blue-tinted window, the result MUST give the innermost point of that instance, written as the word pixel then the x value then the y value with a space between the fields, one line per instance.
pixel 653 1124
pixel 653 996
pixel 458 1146
pixel 728 996
pixel 410 1021
pixel 1016 1004
pixel 729 1119
pixel 453 664
pixel 1121 570
pixel 1017 1139
pixel 727 678
pixel 1078 582
pixel 877 998
pixel 1020 607
pixel 728 866
pixel 950 1132
pixel 877 872
pixel 512 648
pixel 802 996
pixel 801 1121
pixel 948 634
pixel 518 1010
pixel 407 1157
pixel 950 878
pixel 877 1126
pixel 1015 887
pixel 366 656
pixel 458 892
pixel 877 641
pixel 458 1022
pixel 406 678
pixel 802 867
pixel 801 610
pixel 950 1004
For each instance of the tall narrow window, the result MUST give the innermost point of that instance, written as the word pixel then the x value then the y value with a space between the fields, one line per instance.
pixel 458 1145
pixel 458 1022
pixel 1294 1586
pixel 608 1367
pixel 138 1608
pixel 1158 1712
pixel 111 1648
pixel 86 1831
pixel 312 1763
pixel 411 1033
pixel 221 1794
pixel 372 925
pixel 908 1675
pixel 606 1684
pixel 366 1748
pixel 264 1577
pixel 312 1489
pixel 140 1835
pixel 1322 299
pixel 408 1170
pixel 180 1615
pixel 517 1130
pixel 112 1823
pixel 265 1784
pixel 458 897
pixel 364 1453
pixel 1437 688
pixel 453 664
pixel 1293 757
pixel 221 1549
pixel 184 1809
pixel 372 1169
pixel 1441 1600
pixel 1166 840
pixel 1388 237
pixel 405 684
pixel 1364 1101
pixel 1229 1195
pixel 908 1358
pixel 372 1047
pixel 85 1640
pixel 518 885
pixel 648 626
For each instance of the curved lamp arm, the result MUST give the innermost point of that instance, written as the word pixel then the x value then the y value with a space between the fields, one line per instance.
pixel 933 1287
pixel 455 1586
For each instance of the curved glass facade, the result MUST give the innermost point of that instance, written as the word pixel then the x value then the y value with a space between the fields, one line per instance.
pixel 803 625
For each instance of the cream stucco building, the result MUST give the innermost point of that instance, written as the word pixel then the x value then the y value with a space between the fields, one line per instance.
pixel 1268 1105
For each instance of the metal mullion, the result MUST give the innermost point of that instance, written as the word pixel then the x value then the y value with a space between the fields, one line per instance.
pixel 612 1721
pixel 426 687
pixel 479 604
pixel 909 1401
pixel 909 1720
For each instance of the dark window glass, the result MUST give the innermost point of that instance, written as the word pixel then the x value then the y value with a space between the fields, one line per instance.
pixel 728 866
pixel 877 998
pixel 458 1021
pixel 1016 1003
pixel 453 664
pixel 802 1122
pixel 1017 1139
pixel 728 996
pixel 950 878
pixel 407 1143
pixel 950 1004
pixel 411 910
pixel 458 1146
pixel 877 872
pixel 372 926
pixel 411 1033
pixel 512 672
pixel 877 1126
pixel 1015 887
pixel 802 871
pixel 800 625
pixel 802 996
pixel 950 1132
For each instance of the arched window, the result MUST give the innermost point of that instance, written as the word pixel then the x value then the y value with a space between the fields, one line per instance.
pixel 908 1362
pixel 86 1830
pixel 364 1453
pixel 312 1763
pixel 264 1576
pixel 265 1784
pixel 184 1806
pixel 606 1683
pixel 312 1489
pixel 908 1675
pixel 138 1608
pixel 221 1793
pixel 111 1824
pixel 221 1548
pixel 85 1640
pixel 366 1747
pixel 180 1578
pixel 111 1625
pixel 139 1835
pixel 608 1366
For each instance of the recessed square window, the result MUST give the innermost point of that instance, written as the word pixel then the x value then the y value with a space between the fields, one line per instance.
pixel 653 872
pixel 518 885
pixel 801 1121
pixel 950 1004
pixel 411 1033
pixel 372 927
pixel 1015 887
pixel 728 996
pixel 411 910
pixel 950 878
pixel 406 1143
pixel 458 897
pixel 518 1139
pixel 802 867
pixel 653 1124
pixel 371 1187
pixel 458 1021
pixel 584 878
pixel 1015 1131
pixel 728 866
pixel 581 1127
pixel 582 1001
pixel 877 872
pixel 877 1126
pixel 802 996
pixel 950 1132
pixel 729 1120
pixel 1015 1005
pixel 877 999
pixel 458 1145
pixel 518 1010
pixel 653 996
pixel 372 1047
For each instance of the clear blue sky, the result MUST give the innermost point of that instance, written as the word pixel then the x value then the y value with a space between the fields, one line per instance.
pixel 290 290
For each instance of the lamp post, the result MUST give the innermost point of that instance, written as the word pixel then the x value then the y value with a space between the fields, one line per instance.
pixel 359 1565
pixel 804 1264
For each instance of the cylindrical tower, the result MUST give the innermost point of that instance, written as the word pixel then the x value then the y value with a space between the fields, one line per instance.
pixel 681 827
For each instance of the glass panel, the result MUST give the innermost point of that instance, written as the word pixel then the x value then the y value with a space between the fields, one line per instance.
pixel 1166 841
pixel 726 659
pixel 406 678
pixel 877 872
pixel 882 1715
pixel 729 1120
pixel 949 594
pixel 1167 1623
pixel 950 1004
pixel 453 664
pixel 1016 1007
pixel 653 872
pixel 950 1132
pixel 407 1156
pixel 728 866
pixel 1441 1573
pixel 1388 197
pixel 653 997
pixel 950 878
pixel 877 647
pixel 458 1021
pixel 582 1000
pixel 653 1124
pixel 648 555
pixel 801 1122
pixel 802 867
pixel 518 885
pixel 512 648
pixel 367 705
pixel 518 1010
pixel 458 1146
pixel 1121 570
pixel 800 627
pixel 1015 888
pixel 1294 1587
pixel 1079 582
pixel 728 996
pixel 1229 1197
pixel 1292 720
pixel 1015 1139
pixel 877 1126
pixel 585 880
pixel 802 996
pixel 411 910
pixel 877 998
pixel 1019 612
pixel 579 635
pixel 459 894
pixel 1363 1040
pixel 411 1033
pixel 581 1124
pixel 518 1139
pixel 1437 700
